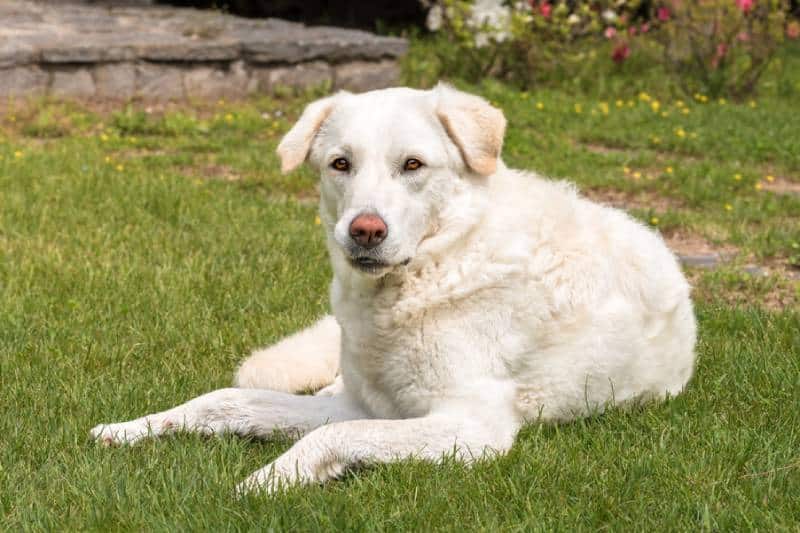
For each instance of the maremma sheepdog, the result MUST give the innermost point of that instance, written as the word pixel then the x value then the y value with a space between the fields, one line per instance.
pixel 467 297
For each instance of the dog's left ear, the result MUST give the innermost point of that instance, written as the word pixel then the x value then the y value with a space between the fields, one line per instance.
pixel 293 148
pixel 474 125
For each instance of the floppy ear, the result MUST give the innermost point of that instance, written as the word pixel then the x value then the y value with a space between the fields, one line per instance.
pixel 293 148
pixel 475 127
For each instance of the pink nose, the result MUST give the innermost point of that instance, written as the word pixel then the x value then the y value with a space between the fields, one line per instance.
pixel 368 230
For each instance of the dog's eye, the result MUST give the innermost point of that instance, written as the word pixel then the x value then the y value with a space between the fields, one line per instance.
pixel 341 164
pixel 412 164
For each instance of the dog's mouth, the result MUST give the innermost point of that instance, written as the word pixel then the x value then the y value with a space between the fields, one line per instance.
pixel 371 265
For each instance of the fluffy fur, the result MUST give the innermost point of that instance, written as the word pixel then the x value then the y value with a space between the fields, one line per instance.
pixel 498 297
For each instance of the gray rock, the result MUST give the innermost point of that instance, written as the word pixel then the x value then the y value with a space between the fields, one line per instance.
pixel 211 82
pixel 115 80
pixel 12 54
pixel 304 75
pixel 700 261
pixel 23 81
pixel 367 75
pixel 156 81
pixel 72 83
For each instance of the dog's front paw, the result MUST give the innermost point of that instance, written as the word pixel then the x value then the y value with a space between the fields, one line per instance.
pixel 289 470
pixel 122 433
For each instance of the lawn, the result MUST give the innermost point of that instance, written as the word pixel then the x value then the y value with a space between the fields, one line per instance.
pixel 145 251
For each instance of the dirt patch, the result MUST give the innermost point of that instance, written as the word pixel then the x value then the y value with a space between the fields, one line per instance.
pixel 643 200
pixel 688 244
pixel 781 185
pixel 212 172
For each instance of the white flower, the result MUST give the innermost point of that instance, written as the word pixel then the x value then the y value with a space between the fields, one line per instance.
pixel 434 20
pixel 609 16
pixel 492 20
pixel 573 19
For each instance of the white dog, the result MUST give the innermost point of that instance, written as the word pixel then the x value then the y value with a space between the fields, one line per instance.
pixel 468 298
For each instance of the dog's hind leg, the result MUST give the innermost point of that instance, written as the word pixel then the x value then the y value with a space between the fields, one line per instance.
pixel 241 411
pixel 307 360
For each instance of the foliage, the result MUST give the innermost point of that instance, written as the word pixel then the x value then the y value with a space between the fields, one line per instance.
pixel 719 47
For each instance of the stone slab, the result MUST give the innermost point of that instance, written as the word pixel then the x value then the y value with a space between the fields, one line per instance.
pixel 115 80
pixel 29 80
pixel 72 83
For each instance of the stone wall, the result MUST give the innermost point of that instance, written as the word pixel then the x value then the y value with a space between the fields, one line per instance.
pixel 163 53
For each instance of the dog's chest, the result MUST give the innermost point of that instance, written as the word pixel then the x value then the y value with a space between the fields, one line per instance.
pixel 399 359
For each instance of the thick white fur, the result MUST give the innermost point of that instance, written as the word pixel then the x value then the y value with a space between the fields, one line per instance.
pixel 503 298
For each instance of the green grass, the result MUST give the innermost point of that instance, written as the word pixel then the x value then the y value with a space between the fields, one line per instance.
pixel 143 255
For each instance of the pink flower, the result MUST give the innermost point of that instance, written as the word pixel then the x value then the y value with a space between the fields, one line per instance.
pixel 743 36
pixel 632 31
pixel 746 5
pixel 793 30
pixel 545 9
pixel 621 53
pixel 610 32
pixel 644 28
pixel 663 14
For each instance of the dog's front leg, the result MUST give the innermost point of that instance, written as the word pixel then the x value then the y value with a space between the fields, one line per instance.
pixel 329 450
pixel 241 411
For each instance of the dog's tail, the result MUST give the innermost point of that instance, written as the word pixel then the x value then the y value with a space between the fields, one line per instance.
pixel 307 360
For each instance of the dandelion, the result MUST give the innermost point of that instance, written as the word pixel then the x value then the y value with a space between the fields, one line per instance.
pixel 664 114
pixel 103 137
pixel 317 220
pixel 228 117
pixel 722 101
pixel 525 95
pixel 108 159
pixel 604 108
pixel 654 221
pixel 18 154
pixel 655 105
pixel 655 139
pixel 752 104
pixel 637 175
pixel 12 118
pixel 539 106
pixel 620 103
pixel 578 108
pixel 631 103
pixel 644 97
pixel 220 102
pixel 685 110
pixel 626 170
pixel 758 186
pixel 120 168
pixel 728 207
pixel 679 103
pixel 669 170
pixel 680 132
pixel 134 140
pixel 770 178
pixel 737 177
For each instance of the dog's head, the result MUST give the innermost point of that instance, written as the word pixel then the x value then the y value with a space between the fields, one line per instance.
pixel 403 171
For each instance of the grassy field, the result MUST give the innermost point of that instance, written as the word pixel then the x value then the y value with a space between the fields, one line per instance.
pixel 143 254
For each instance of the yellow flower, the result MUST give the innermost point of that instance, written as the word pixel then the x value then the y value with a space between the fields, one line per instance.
pixel 120 168
pixel 539 106
pixel 770 178
pixel 655 105
pixel 103 137
pixel 525 95
pixel 722 101
pixel 665 114
pixel 752 103
pixel 631 103
pixel 637 175
pixel 18 154
pixel 228 117
pixel 679 103
pixel 620 103
pixel 134 140
pixel 759 186
pixel 220 102
pixel 578 108
pixel 656 139
pixel 654 221
pixel 693 135
pixel 728 207
pixel 680 132
pixel 108 159
pixel 604 108
pixel 317 220
pixel 669 170
pixel 685 110
pixel 626 170
pixel 737 177
pixel 644 97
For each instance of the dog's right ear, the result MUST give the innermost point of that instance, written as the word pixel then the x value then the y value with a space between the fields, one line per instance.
pixel 293 148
